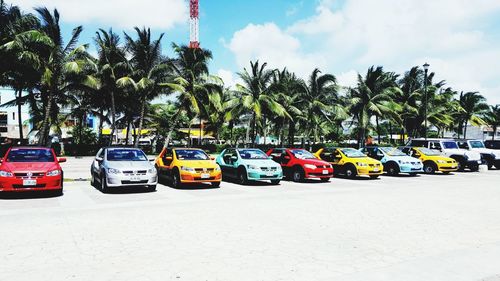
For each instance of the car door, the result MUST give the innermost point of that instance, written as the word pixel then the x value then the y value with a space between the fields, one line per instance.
pixel 167 159
pixel 98 162
pixel 229 165
pixel 336 162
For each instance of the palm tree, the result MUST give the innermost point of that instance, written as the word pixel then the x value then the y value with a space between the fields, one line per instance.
pixel 60 63
pixel 474 106
pixel 149 71
pixel 370 97
pixel 493 118
pixel 111 64
pixel 256 98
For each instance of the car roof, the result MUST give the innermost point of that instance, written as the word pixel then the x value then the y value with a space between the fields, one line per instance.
pixel 30 147
pixel 120 147
pixel 432 139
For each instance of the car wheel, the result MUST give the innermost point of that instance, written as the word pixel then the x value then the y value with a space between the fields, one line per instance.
pixel 176 179
pixel 92 179
pixel 325 179
pixel 392 170
pixel 104 183
pixel 242 177
pixel 350 172
pixel 216 184
pixel 474 168
pixel 461 166
pixel 429 168
pixel 298 175
pixel 275 182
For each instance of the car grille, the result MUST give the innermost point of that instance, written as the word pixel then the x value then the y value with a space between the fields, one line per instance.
pixel 204 170
pixel 42 185
pixel 267 177
pixel 135 182
pixel 374 165
pixel 450 162
pixel 207 179
pixel 25 175
pixel 322 166
pixel 138 173
pixel 414 163
pixel 320 174
pixel 265 169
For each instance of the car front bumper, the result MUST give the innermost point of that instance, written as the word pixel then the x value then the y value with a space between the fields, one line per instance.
pixel 447 167
pixel 411 168
pixel 319 173
pixel 370 171
pixel 114 180
pixel 259 175
pixel 187 177
pixel 43 183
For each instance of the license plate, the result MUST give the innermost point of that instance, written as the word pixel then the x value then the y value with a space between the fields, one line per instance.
pixel 325 172
pixel 135 179
pixel 376 170
pixel 205 176
pixel 270 174
pixel 29 182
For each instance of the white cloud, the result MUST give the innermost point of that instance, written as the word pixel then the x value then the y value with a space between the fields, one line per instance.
pixel 348 79
pixel 268 43
pixel 117 13
pixel 230 80
pixel 455 36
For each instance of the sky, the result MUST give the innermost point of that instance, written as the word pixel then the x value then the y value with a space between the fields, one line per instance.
pixel 460 39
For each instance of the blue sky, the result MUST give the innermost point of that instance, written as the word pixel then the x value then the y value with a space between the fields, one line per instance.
pixel 459 38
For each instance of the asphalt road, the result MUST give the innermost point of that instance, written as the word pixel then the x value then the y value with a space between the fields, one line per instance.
pixel 395 228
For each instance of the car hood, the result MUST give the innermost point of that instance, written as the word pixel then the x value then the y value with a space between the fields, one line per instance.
pixel 123 165
pixel 261 163
pixel 314 162
pixel 198 163
pixel 403 158
pixel 29 166
pixel 488 151
pixel 471 155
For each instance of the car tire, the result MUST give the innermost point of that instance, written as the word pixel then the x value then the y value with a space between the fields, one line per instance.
pixel 474 168
pixel 461 166
pixel 490 165
pixel 392 169
pixel 275 182
pixel 92 180
pixel 350 172
pixel 104 183
pixel 215 184
pixel 429 168
pixel 242 176
pixel 298 174
pixel 325 179
pixel 176 179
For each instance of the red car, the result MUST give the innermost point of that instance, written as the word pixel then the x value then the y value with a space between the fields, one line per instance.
pixel 31 169
pixel 300 164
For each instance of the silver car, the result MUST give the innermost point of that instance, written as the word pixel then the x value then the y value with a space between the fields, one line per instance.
pixel 118 166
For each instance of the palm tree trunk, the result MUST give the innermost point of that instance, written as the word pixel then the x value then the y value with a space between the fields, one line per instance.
pixel 44 136
pixel 465 129
pixel 201 132
pixel 494 132
pixel 254 125
pixel 264 131
pixel 378 128
pixel 390 132
pixel 113 118
pixel 171 131
pixel 19 116
pixel 101 124
pixel 190 140
pixel 141 121
pixel 127 134
pixel 291 133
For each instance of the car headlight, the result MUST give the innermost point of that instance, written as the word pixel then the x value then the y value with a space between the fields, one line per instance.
pixel 252 167
pixel 217 168
pixel 54 173
pixel 361 164
pixel 188 169
pixel 309 166
pixel 114 171
pixel 441 161
pixel 6 174
pixel 152 171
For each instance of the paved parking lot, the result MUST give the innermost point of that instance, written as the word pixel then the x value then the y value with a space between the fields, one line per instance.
pixel 395 228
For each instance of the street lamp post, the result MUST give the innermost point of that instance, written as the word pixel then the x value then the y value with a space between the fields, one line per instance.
pixel 426 69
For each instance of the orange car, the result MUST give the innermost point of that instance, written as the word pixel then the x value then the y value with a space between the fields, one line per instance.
pixel 187 165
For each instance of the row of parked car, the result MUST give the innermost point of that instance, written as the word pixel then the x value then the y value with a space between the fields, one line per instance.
pixel 37 168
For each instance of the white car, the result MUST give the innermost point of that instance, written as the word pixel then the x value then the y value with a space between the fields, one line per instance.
pixel 449 147
pixel 117 167
pixel 490 157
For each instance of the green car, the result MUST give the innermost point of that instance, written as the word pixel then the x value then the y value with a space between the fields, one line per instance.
pixel 245 164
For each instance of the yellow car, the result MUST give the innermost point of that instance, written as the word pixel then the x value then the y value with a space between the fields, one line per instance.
pixel 350 162
pixel 432 159
pixel 186 165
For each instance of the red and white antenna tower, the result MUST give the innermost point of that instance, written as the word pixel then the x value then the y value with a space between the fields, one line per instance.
pixel 194 24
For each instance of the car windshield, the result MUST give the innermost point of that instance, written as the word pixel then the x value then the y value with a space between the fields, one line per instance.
pixel 30 155
pixel 252 154
pixel 429 152
pixel 302 154
pixel 352 153
pixel 391 151
pixel 450 145
pixel 126 155
pixel 191 154
pixel 477 144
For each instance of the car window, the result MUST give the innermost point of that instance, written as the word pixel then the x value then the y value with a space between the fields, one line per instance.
pixel 123 154
pixel 228 156
pixel 477 144
pixel 191 154
pixel 450 145
pixel 391 151
pixel 302 154
pixel 252 154
pixel 30 155
pixel 352 153
pixel 430 152
pixel 328 155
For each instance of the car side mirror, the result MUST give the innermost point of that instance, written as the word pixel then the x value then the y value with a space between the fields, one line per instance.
pixel 169 158
pixel 61 160
pixel 234 158
pixel 287 157
pixel 212 158
pixel 151 159
pixel 99 159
